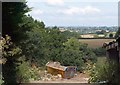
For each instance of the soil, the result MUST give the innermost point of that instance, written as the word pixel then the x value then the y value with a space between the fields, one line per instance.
pixel 79 78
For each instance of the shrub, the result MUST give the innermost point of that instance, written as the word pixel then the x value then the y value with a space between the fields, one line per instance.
pixel 15 65
pixel 10 54
pixel 106 73
pixel 76 54
pixel 72 58
pixel 1 79
pixel 99 51
pixel 26 73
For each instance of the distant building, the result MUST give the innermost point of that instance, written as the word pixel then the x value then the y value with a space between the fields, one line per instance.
pixel 87 36
pixel 107 31
pixel 71 31
pixel 62 29
pixel 101 35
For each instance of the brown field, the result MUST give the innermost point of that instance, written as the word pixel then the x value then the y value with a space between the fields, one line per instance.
pixel 94 43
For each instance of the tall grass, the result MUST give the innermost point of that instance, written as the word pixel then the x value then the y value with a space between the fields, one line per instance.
pixel 104 72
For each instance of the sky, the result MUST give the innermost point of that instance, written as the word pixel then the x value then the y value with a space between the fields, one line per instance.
pixel 75 12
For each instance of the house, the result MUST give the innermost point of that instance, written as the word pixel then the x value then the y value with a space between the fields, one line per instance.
pixel 101 35
pixel 65 71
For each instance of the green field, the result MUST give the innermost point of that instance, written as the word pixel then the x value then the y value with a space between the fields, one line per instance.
pixel 94 43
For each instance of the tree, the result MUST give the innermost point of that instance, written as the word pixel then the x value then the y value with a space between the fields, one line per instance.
pixel 72 43
pixel 100 52
pixel 10 54
pixel 12 18
pixel 71 55
pixel 56 40
pixel 43 45
pixel 69 34
pixel 110 35
pixel 33 47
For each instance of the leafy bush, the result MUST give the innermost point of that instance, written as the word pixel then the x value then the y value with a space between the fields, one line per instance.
pixel 72 57
pixel 106 73
pixel 26 73
pixel 100 51
pixel 9 49
pixel 1 79
pixel 15 64
pixel 10 54
pixel 76 54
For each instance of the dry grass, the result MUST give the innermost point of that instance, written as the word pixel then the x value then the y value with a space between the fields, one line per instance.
pixel 94 43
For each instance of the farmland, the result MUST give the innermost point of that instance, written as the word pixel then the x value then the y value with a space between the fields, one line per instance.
pixel 94 43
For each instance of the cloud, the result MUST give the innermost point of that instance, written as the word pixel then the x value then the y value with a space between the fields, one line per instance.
pixel 55 2
pixel 36 12
pixel 78 10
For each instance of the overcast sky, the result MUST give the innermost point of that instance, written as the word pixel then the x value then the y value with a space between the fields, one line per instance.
pixel 75 12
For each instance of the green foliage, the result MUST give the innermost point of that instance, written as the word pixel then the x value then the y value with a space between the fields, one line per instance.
pixel 1 79
pixel 69 34
pixel 55 43
pixel 26 73
pixel 110 35
pixel 89 55
pixel 13 19
pixel 107 72
pixel 37 44
pixel 15 65
pixel 99 51
pixel 23 72
pixel 12 16
pixel 15 24
pixel 29 23
pixel 72 43
pixel 44 45
pixel 72 57
pixel 76 53
pixel 34 46
pixel 10 54
pixel 8 48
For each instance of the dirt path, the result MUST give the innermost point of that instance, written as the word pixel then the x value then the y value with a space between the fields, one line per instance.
pixel 80 78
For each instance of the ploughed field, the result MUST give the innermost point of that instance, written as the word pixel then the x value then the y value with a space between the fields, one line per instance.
pixel 95 43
